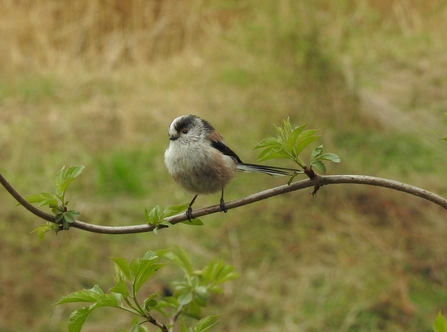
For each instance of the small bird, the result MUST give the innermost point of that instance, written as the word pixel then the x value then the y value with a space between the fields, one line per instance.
pixel 201 162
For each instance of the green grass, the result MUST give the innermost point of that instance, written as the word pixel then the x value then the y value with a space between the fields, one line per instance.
pixel 352 259
pixel 29 89
pixel 394 153
pixel 125 172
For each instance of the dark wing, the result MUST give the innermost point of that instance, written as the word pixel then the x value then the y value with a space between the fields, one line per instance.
pixel 222 147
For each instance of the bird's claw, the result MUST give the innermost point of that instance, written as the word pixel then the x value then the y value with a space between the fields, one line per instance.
pixel 189 214
pixel 222 206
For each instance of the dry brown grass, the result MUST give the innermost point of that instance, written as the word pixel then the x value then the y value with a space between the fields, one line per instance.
pixel 101 34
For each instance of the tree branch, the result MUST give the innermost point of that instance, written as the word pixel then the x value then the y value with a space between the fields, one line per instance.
pixel 153 321
pixel 316 182
pixel 19 198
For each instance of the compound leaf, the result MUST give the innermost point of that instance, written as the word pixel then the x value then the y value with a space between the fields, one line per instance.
pixel 66 176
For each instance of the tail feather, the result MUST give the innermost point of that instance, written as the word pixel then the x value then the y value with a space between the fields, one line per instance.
pixel 270 170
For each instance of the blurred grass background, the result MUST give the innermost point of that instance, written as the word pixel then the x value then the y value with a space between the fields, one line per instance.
pixel 98 82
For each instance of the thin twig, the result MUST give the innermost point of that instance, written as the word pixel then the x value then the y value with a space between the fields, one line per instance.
pixel 318 181
pixel 175 317
pixel 153 321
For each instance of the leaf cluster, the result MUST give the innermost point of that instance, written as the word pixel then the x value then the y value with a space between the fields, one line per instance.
pixel 190 294
pixel 193 292
pixel 157 216
pixel 290 142
pixel 317 159
pixel 56 201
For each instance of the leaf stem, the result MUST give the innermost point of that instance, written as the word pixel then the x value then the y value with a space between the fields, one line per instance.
pixel 132 307
pixel 135 300
pixel 175 317
pixel 132 311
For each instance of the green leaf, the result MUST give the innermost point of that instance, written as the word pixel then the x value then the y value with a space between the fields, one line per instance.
pixel 138 328
pixel 65 225
pixel 193 222
pixel 143 268
pixel 120 288
pixel 154 216
pixel 96 295
pixel 167 302
pixel 206 323
pixel 66 176
pixel 165 223
pixel 270 145
pixel 330 157
pixel 183 327
pixel 42 229
pixel 174 209
pixel 319 166
pixel 107 300
pixel 151 255
pixel 218 272
pixel 43 199
pixel 122 265
pixel 193 310
pixel 304 141
pixel 316 152
pixel 288 143
pixel 78 318
pixel 56 209
pixel 271 154
pixel 318 156
pixel 201 295
pixel 269 142
pixel 146 270
pixel 150 302
pixel 86 295
pixel 180 257
pixel 185 298
pixel 440 324
pixel 70 216
pixel 58 217
pixel 298 134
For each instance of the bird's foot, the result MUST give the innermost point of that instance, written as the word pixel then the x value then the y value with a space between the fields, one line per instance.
pixel 189 214
pixel 222 206
pixel 189 210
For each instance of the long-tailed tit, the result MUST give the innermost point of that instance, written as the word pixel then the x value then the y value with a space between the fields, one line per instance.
pixel 199 160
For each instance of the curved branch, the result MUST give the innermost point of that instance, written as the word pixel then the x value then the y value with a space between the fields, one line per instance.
pixel 19 198
pixel 316 182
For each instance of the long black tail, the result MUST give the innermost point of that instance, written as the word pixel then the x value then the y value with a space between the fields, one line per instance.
pixel 270 170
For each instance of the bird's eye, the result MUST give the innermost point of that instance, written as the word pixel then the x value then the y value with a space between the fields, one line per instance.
pixel 185 131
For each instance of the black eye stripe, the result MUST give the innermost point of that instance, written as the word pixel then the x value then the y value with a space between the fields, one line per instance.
pixel 188 121
pixel 184 123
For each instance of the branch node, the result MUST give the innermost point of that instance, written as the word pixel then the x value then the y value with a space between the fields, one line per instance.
pixel 153 321
pixel 318 183
pixel 309 172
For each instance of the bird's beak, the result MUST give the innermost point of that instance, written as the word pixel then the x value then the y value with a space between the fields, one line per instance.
pixel 173 137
